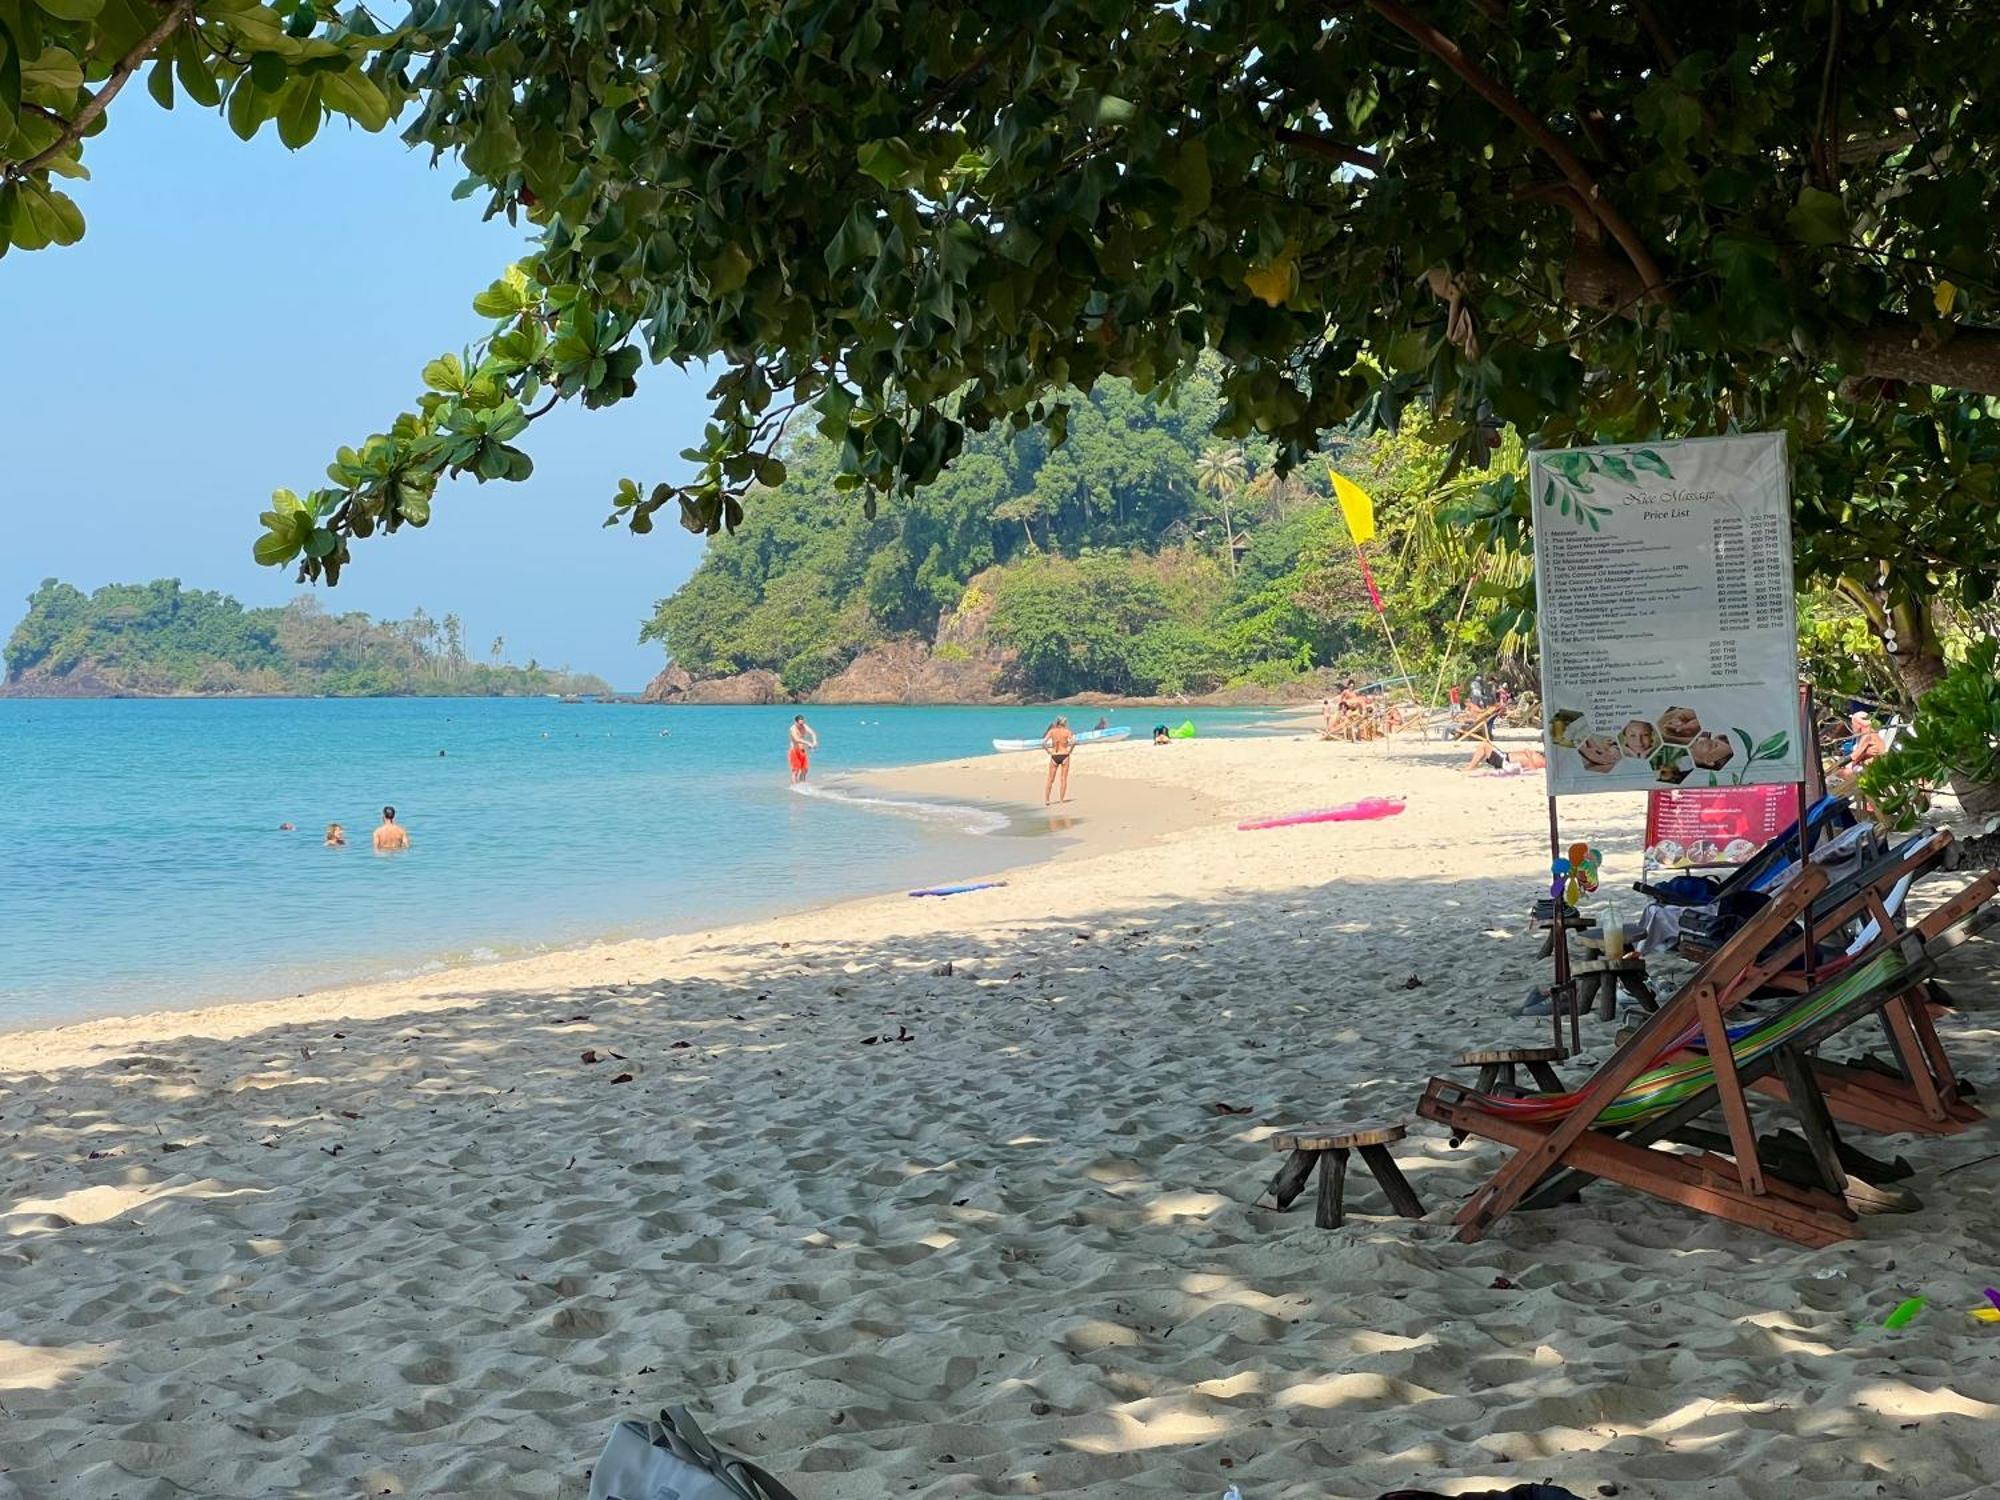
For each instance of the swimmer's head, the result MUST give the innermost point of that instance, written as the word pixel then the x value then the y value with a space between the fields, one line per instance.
pixel 388 815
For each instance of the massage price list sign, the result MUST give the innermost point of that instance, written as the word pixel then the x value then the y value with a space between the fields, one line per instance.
pixel 1669 632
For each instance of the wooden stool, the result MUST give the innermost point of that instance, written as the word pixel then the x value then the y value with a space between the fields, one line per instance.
pixel 1326 1147
pixel 1497 1068
pixel 1598 980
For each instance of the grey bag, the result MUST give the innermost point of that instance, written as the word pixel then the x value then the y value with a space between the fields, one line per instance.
pixel 671 1459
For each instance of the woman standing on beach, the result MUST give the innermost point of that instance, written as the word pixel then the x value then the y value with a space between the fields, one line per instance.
pixel 1061 745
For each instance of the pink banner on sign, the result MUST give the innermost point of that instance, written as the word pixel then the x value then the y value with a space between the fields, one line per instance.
pixel 1723 826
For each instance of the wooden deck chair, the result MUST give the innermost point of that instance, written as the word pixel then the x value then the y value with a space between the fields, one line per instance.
pixel 1478 725
pixel 1922 1094
pixel 1654 1088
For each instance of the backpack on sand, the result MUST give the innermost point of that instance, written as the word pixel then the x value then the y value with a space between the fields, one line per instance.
pixel 672 1459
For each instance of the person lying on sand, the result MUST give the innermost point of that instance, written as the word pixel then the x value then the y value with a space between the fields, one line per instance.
pixel 1061 745
pixel 1490 760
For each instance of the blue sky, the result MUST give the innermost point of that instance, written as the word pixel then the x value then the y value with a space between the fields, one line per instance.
pixel 236 312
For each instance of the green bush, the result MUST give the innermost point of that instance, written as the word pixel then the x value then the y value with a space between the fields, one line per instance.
pixel 1955 736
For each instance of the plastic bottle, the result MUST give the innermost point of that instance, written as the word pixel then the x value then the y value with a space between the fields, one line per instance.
pixel 1232 1493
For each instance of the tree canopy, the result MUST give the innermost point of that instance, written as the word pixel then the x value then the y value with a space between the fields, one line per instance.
pixel 1613 221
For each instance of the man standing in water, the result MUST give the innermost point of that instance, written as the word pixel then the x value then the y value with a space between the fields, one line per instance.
pixel 391 836
pixel 1061 745
pixel 804 742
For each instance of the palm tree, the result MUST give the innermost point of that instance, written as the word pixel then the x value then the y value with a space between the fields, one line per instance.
pixel 499 648
pixel 1219 473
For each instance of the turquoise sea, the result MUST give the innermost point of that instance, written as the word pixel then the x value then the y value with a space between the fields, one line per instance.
pixel 142 866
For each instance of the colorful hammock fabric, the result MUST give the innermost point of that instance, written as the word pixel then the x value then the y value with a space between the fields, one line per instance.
pixel 1687 1073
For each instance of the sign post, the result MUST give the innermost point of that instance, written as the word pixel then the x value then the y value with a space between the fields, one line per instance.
pixel 1668 627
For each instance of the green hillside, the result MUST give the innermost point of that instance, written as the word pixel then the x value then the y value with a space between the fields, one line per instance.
pixel 158 638
pixel 1104 564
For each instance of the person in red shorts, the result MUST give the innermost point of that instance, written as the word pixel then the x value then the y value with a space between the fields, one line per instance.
pixel 804 742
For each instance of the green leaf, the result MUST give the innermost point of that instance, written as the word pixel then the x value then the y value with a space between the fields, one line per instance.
pixel 446 374
pixel 43 216
pixel 890 162
pixel 503 299
pixel 55 72
pixel 1617 467
pixel 358 97
pixel 727 271
pixel 246 109
pixel 416 509
pixel 1818 218
pixel 71 10
pixel 160 82
pixel 299 113
pixel 1187 170
pixel 1361 102
pixel 274 551
pixel 192 68
pixel 268 71
pixel 1112 110
pixel 1408 352
pixel 1647 459
pixel 10 89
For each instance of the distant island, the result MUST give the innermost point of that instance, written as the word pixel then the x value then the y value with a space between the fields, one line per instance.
pixel 159 640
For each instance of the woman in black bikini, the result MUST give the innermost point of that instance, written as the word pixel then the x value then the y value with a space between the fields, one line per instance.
pixel 1061 744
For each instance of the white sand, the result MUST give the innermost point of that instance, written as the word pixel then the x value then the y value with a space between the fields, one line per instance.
pixel 403 1240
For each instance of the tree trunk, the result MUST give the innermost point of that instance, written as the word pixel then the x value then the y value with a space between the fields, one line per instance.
pixel 1917 658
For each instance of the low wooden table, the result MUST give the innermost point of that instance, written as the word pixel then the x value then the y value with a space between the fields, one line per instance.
pixel 1498 1068
pixel 1325 1147
pixel 1598 980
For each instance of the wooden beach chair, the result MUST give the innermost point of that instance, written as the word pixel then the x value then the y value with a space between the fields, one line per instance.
pixel 1625 1123
pixel 1477 725
pixel 1921 1093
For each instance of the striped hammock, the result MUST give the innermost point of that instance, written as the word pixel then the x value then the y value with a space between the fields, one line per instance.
pixel 1685 1072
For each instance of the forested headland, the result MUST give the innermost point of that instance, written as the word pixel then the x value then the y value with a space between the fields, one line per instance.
pixel 161 640
pixel 1139 557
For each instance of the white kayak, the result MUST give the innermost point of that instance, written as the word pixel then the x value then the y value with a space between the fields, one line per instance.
pixel 1088 737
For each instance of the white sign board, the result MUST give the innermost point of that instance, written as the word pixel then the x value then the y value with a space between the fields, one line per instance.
pixel 1669 633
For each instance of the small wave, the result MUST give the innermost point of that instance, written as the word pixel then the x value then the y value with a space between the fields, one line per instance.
pixel 962 816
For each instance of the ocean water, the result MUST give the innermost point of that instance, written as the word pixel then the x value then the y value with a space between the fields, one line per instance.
pixel 142 866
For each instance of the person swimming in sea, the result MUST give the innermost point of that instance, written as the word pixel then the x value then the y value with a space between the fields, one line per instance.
pixel 336 836
pixel 1061 745
pixel 391 837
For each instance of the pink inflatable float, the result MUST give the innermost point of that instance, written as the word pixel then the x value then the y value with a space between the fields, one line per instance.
pixel 1348 812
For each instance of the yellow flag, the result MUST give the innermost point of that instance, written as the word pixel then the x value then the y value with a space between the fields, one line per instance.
pixel 1355 506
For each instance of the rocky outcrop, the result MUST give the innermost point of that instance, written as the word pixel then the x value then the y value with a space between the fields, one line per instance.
pixel 911 672
pixel 758 686
pixel 672 686
pixel 82 681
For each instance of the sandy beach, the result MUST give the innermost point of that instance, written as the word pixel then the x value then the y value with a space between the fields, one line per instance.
pixel 953 1198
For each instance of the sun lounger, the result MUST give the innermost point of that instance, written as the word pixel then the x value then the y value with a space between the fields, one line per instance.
pixel 1635 1121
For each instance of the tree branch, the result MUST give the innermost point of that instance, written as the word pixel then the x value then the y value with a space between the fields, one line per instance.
pixel 1887 349
pixel 121 71
pixel 1662 43
pixel 1435 41
pixel 1336 151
